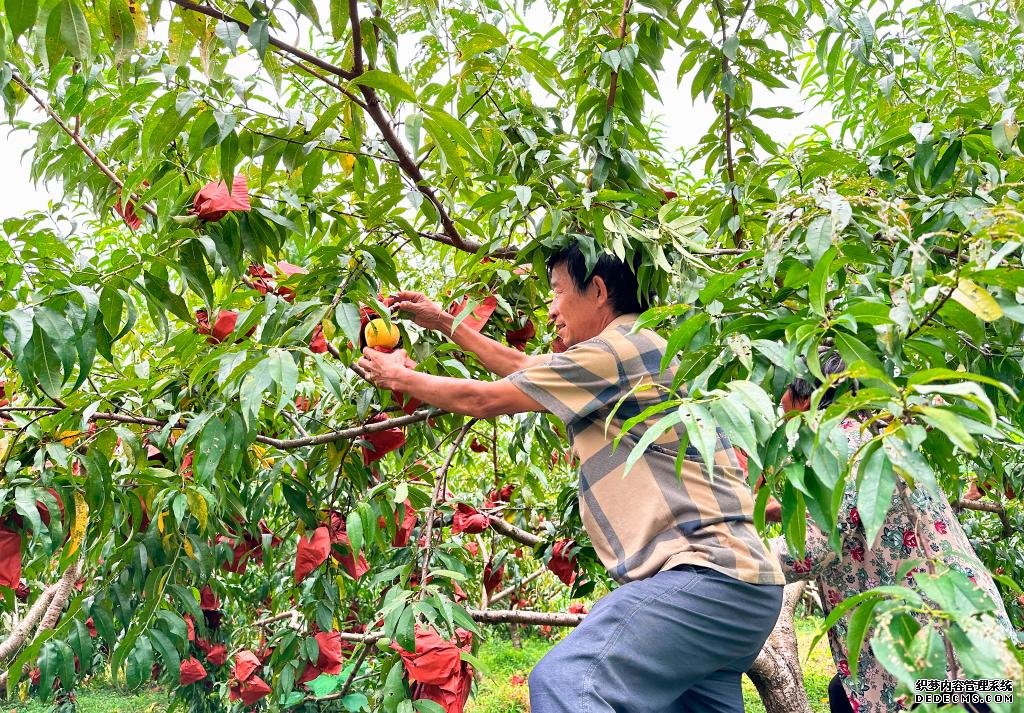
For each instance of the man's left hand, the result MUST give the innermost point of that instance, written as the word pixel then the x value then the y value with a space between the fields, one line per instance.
pixel 385 370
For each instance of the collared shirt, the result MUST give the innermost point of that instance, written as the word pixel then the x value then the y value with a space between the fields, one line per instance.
pixel 651 519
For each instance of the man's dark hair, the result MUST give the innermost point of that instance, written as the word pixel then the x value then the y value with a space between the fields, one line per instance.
pixel 831 363
pixel 619 278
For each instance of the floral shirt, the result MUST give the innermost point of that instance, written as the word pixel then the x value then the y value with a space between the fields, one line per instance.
pixel 859 567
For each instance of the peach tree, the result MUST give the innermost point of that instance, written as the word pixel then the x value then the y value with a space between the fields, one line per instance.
pixel 197 485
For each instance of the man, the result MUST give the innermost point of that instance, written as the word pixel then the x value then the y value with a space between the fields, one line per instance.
pixel 700 591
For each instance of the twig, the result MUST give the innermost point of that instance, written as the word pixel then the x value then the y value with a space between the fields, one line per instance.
pixel 439 486
pixel 730 165
pixel 525 580
pixel 78 141
pixel 613 86
pixel 273 41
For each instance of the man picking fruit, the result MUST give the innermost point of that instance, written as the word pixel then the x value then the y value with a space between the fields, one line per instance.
pixel 700 592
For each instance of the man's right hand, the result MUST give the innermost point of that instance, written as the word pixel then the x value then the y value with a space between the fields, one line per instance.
pixel 420 309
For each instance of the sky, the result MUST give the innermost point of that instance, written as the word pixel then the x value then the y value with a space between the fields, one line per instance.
pixel 683 122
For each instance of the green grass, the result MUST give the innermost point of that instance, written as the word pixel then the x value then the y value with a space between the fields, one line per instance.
pixel 98 698
pixel 499 692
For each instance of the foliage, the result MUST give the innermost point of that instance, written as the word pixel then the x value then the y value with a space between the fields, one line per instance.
pixel 182 397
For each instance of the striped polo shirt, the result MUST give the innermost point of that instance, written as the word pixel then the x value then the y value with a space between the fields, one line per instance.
pixel 649 520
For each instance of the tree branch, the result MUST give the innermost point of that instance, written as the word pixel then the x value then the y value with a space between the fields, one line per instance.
pixel 511 590
pixel 278 44
pixel 81 144
pixel 730 164
pixel 19 634
pixel 281 443
pixel 614 84
pixel 439 486
pixel 514 533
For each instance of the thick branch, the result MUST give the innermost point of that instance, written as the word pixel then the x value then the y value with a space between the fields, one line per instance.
pixel 78 141
pixel 281 443
pixel 19 635
pixel 514 533
pixel 519 616
pixel 61 592
pixel 996 508
pixel 274 42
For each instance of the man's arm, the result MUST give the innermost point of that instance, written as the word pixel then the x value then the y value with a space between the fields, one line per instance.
pixel 495 357
pixel 481 399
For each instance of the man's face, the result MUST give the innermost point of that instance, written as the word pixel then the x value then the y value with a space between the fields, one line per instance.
pixel 573 312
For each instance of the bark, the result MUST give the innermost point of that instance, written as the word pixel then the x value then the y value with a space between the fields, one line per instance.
pixel 59 594
pixel 776 672
pixel 20 633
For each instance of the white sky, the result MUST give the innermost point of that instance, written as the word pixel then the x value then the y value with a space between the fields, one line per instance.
pixel 683 122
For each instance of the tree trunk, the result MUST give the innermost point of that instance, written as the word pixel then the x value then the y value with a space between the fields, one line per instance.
pixel 776 672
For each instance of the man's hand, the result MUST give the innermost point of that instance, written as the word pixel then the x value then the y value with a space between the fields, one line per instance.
pixel 420 309
pixel 385 370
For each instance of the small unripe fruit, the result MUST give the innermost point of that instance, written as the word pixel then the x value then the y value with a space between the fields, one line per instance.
pixel 381 334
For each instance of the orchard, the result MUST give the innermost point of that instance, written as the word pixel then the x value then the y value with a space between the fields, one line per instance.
pixel 200 488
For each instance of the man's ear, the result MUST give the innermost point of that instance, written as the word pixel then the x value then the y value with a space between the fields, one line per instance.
pixel 597 284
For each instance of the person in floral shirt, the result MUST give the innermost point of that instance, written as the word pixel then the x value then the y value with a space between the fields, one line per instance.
pixel 918 526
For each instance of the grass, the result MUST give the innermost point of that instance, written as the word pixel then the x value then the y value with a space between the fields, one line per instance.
pixel 99 698
pixel 504 689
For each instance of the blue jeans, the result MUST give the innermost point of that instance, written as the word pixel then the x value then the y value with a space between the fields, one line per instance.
pixel 674 643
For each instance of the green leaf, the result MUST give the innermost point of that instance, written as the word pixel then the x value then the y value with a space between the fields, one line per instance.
pixel 122 30
pixel 818 237
pixel 875 486
pixel 388 82
pixel 700 428
pixel 817 286
pixel 209 449
pixel 59 335
pixel 732 43
pixel 21 15
pixel 228 33
pixel 325 684
pixel 910 463
pixel 733 417
pixel 308 8
pixel 354 530
pixel 948 423
pixel 285 375
pixel 259 35
pixel 860 621
pixel 44 363
pixel 945 167
pixel 74 30
pixel 168 652
pixel 346 316
pixel 651 434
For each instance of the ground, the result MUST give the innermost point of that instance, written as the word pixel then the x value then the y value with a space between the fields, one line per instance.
pixel 500 692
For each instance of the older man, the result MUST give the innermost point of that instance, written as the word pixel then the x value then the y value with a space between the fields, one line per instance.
pixel 700 590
